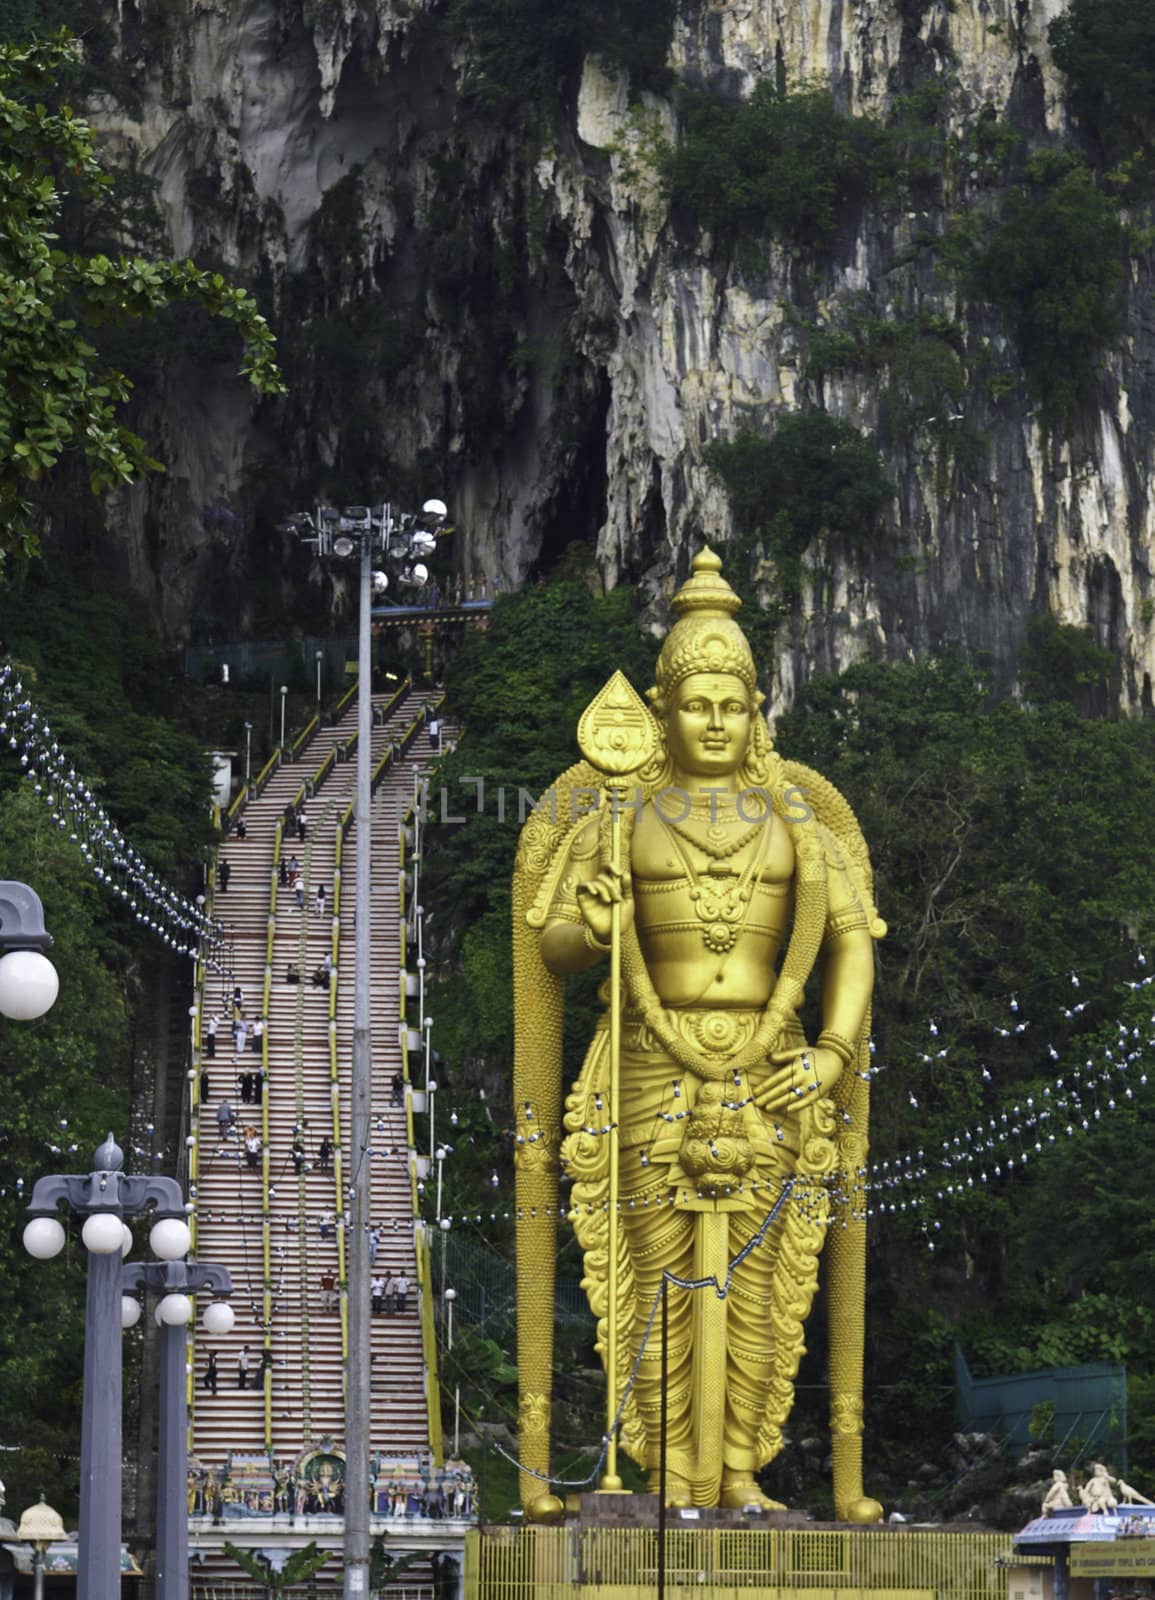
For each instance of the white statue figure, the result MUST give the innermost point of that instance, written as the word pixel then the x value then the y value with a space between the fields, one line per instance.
pixel 1096 1492
pixel 1058 1497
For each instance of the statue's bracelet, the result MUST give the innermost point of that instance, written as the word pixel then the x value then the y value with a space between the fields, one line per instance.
pixel 841 1047
pixel 593 942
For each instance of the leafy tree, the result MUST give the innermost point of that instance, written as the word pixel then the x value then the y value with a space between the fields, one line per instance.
pixel 1107 50
pixel 526 53
pixel 1062 664
pixel 785 162
pixel 110 687
pixel 56 394
pixel 815 474
pixel 1055 264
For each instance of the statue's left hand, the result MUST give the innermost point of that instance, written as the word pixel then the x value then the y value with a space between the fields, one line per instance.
pixel 803 1076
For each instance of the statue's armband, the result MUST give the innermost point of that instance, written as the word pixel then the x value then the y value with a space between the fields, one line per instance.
pixel 577 861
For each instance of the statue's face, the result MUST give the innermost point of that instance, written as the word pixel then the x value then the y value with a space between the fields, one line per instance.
pixel 708 725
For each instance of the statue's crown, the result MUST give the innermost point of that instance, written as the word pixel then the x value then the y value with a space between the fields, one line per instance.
pixel 705 637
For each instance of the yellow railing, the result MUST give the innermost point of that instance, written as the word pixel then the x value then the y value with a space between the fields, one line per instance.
pixel 609 1563
pixel 335 1100
pixel 305 735
pixel 267 771
pixel 429 1346
pixel 266 1176
pixel 339 708
pixel 424 1268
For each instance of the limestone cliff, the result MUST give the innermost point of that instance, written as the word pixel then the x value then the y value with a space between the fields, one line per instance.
pixel 513 320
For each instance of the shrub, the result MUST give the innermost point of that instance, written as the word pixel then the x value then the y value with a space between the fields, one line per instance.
pixel 815 474
pixel 1062 665
pixel 781 162
pixel 1107 50
pixel 526 53
pixel 919 357
pixel 1054 264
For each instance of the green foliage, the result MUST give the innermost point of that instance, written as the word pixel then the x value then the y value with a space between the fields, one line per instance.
pixel 1054 262
pixel 384 1566
pixel 109 686
pixel 56 395
pixel 65 1085
pixel 1008 848
pixel 526 53
pixel 816 474
pixel 1107 50
pixel 785 162
pixel 1062 664
pixel 916 362
pixel 298 1569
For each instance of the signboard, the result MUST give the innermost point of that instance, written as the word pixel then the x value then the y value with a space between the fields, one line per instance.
pixel 1125 1559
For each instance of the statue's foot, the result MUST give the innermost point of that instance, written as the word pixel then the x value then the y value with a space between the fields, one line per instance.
pixel 678 1496
pixel 546 1508
pixel 864 1510
pixel 740 1492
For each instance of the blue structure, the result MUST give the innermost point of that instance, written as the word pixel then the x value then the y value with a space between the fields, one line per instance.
pixel 1089 1416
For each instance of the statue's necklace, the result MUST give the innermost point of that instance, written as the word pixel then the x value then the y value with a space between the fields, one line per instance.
pixel 720 841
pixel 723 908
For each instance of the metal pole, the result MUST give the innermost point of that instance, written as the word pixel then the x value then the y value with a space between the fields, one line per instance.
pixel 356 1581
pixel 98 1575
pixel 38 1572
pixel 172 1473
pixel 248 751
pixel 611 1483
pixel 319 657
pixel 662 1440
pixel 284 692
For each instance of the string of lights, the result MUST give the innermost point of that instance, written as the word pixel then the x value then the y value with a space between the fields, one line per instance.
pixel 115 863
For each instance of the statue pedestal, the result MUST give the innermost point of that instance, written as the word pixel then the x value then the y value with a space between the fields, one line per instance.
pixel 610 1552
pixel 641 1511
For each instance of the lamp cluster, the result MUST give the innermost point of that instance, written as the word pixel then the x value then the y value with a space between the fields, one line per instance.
pixel 406 538
pixel 104 1234
pixel 74 809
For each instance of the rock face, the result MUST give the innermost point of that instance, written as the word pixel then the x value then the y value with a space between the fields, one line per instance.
pixel 514 321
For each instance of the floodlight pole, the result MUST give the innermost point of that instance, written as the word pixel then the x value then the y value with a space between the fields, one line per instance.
pixel 356 1577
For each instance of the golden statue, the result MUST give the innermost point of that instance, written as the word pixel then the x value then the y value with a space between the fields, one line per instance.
pixel 714 875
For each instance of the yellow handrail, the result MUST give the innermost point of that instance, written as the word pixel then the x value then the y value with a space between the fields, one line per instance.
pixel 266 1214
pixel 306 733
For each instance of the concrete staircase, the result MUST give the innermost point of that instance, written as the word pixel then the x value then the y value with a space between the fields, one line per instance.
pixel 278 1229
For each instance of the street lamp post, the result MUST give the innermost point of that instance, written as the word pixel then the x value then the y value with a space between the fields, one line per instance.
pixel 40 1526
pixel 175 1281
pixel 248 752
pixel 103 1198
pixel 319 657
pixel 450 1297
pixel 28 981
pixel 284 692
pixel 362 531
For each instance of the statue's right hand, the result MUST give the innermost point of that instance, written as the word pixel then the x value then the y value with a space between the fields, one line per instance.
pixel 597 897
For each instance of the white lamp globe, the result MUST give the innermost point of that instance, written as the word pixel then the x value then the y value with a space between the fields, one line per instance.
pixel 103 1233
pixel 129 1311
pixel 219 1317
pixel 28 985
pixel 127 1241
pixel 44 1238
pixel 174 1311
pixel 170 1239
